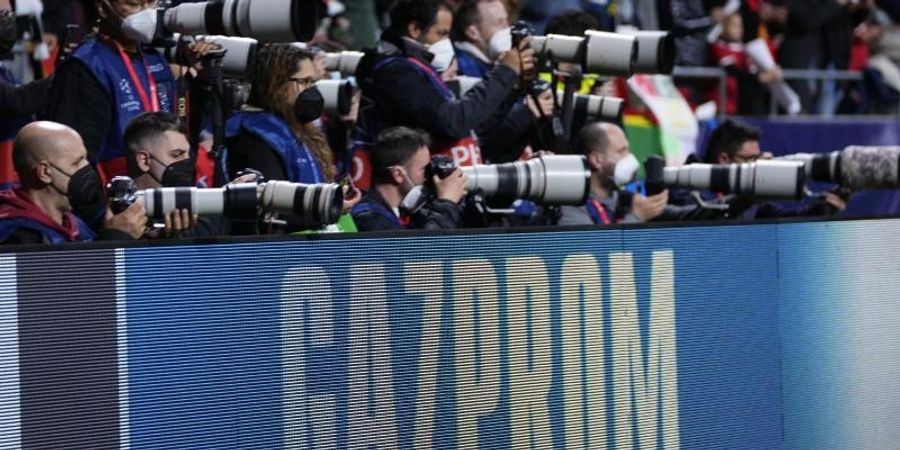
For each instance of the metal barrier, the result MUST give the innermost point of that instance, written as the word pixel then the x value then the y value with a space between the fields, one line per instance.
pixel 788 74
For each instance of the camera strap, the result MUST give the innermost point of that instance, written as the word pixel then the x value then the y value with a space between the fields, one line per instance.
pixel 149 102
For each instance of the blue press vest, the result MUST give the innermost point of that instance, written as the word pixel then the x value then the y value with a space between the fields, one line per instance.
pixel 106 64
pixel 375 208
pixel 10 226
pixel 470 65
pixel 300 165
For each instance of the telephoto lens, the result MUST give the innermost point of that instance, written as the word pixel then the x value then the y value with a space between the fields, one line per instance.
pixel 238 53
pixel 549 180
pixel 344 62
pixel 236 201
pixel 598 106
pixel 338 95
pixel 263 20
pixel 855 167
pixel 656 52
pixel 597 52
pixel 762 179
pixel 314 204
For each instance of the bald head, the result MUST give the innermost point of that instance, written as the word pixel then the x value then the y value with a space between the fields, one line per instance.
pixel 599 136
pixel 46 141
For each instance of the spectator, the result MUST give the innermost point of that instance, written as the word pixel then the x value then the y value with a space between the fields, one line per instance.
pixel 818 35
pixel 691 21
pixel 743 90
pixel 51 162
pixel 399 160
pixel 612 165
pixel 276 133
pixel 401 85
pixel 481 34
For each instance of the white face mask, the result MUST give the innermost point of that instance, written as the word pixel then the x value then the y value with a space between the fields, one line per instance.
pixel 141 26
pixel 500 42
pixel 414 198
pixel 626 170
pixel 443 54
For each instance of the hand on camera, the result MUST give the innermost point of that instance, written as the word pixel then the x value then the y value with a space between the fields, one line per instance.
pixel 520 60
pixel 837 198
pixel 132 221
pixel 177 221
pixel 544 102
pixel 452 188
pixel 649 208
pixel 352 196
pixel 353 115
pixel 192 54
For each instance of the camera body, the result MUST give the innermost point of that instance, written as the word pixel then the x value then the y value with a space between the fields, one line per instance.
pixel 520 31
pixel 122 193
pixel 440 165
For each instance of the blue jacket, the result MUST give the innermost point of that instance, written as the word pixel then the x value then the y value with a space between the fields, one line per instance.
pixel 300 164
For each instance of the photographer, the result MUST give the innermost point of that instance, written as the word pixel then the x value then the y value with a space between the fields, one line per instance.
pixel 158 155
pixel 401 84
pixel 480 35
pixel 109 80
pixel 736 142
pixel 399 161
pixel 275 133
pixel 612 165
pixel 51 162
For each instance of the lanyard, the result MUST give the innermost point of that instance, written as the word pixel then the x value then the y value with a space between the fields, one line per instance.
pixel 602 211
pixel 151 102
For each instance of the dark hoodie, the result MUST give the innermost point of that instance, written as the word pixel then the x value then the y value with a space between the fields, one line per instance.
pixel 23 222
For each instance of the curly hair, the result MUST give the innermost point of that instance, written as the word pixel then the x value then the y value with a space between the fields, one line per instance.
pixel 270 77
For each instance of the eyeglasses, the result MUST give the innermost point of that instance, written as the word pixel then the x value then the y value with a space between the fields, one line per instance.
pixel 304 82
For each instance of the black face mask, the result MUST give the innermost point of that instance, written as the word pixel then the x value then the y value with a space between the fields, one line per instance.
pixel 84 193
pixel 8 32
pixel 309 105
pixel 178 174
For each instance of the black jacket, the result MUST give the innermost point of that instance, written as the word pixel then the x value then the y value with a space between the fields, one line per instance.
pixel 398 94
pixel 78 100
pixel 373 213
pixel 24 100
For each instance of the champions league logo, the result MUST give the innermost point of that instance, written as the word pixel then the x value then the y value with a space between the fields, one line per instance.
pixel 125 87
pixel 128 103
